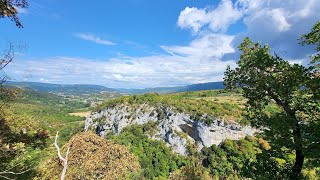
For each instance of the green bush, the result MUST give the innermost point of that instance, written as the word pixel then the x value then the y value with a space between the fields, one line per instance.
pixel 156 159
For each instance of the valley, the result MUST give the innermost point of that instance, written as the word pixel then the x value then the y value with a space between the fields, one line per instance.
pixel 159 90
pixel 182 129
pixel 166 120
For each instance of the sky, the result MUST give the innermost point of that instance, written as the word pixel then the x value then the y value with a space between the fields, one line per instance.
pixel 149 43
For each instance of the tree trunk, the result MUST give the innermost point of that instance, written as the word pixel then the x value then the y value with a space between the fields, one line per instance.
pixel 296 169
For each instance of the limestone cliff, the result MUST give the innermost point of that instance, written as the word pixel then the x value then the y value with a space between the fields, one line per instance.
pixel 178 130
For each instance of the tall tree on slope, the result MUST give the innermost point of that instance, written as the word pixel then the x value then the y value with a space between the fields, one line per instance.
pixel 268 79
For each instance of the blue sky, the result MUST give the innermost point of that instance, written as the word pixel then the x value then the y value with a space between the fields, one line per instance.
pixel 148 43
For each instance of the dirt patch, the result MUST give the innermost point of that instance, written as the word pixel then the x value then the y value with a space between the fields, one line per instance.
pixel 81 114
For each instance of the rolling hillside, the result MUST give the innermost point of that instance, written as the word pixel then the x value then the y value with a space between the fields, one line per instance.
pixel 78 89
pixel 75 89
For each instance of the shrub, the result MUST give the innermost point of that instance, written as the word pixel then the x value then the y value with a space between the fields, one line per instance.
pixel 92 157
pixel 156 159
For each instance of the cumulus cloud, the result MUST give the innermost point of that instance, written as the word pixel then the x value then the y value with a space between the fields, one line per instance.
pixel 125 71
pixel 206 46
pixel 278 23
pixel 217 19
pixel 93 38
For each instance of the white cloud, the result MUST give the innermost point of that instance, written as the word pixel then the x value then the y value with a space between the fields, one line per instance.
pixel 217 19
pixel 205 46
pixel 44 80
pixel 183 67
pixel 193 18
pixel 93 38
pixel 276 22
pixel 21 10
pixel 280 24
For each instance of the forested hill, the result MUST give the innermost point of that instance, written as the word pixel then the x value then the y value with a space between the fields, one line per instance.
pixel 62 88
pixel 77 89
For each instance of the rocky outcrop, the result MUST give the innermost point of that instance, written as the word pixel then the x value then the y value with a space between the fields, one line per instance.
pixel 178 130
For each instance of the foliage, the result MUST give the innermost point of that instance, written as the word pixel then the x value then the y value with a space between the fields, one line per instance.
pixel 267 79
pixel 8 8
pixel 194 103
pixel 63 89
pixel 26 127
pixel 194 172
pixel 246 158
pixel 92 157
pixel 313 38
pixel 231 158
pixel 27 96
pixel 15 144
pixel 155 158
pixel 8 95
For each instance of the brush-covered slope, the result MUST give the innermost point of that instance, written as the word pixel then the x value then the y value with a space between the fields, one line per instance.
pixel 92 157
pixel 61 88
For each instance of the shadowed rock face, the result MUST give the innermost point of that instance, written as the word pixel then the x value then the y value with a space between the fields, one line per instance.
pixel 191 131
pixel 175 128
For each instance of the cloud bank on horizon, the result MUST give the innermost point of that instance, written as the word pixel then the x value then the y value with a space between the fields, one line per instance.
pixel 216 32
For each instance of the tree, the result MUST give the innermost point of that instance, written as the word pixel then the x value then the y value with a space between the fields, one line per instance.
pixel 269 81
pixel 9 8
pixel 7 95
pixel 10 142
pixel 313 38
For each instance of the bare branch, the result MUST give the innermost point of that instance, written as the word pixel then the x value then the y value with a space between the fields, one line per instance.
pixel 6 177
pixel 58 149
pixel 65 160
pixel 7 172
pixel 8 56
pixel 15 173
pixel 65 165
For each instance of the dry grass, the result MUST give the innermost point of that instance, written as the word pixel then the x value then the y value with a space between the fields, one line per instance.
pixel 81 114
pixel 232 99
pixel 92 157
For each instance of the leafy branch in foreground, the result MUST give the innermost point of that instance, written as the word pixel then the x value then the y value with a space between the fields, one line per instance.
pixel 267 79
pixel 313 38
pixel 9 8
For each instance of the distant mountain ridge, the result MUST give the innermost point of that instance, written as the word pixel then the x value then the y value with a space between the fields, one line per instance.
pixel 61 88
pixel 165 90
pixel 89 89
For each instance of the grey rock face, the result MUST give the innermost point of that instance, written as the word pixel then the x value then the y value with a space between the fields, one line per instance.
pixel 178 130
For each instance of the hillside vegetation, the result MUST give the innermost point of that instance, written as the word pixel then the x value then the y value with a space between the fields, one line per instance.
pixel 216 103
pixel 92 157
pixel 28 126
pixel 73 89
pixel 156 159
pixel 34 120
